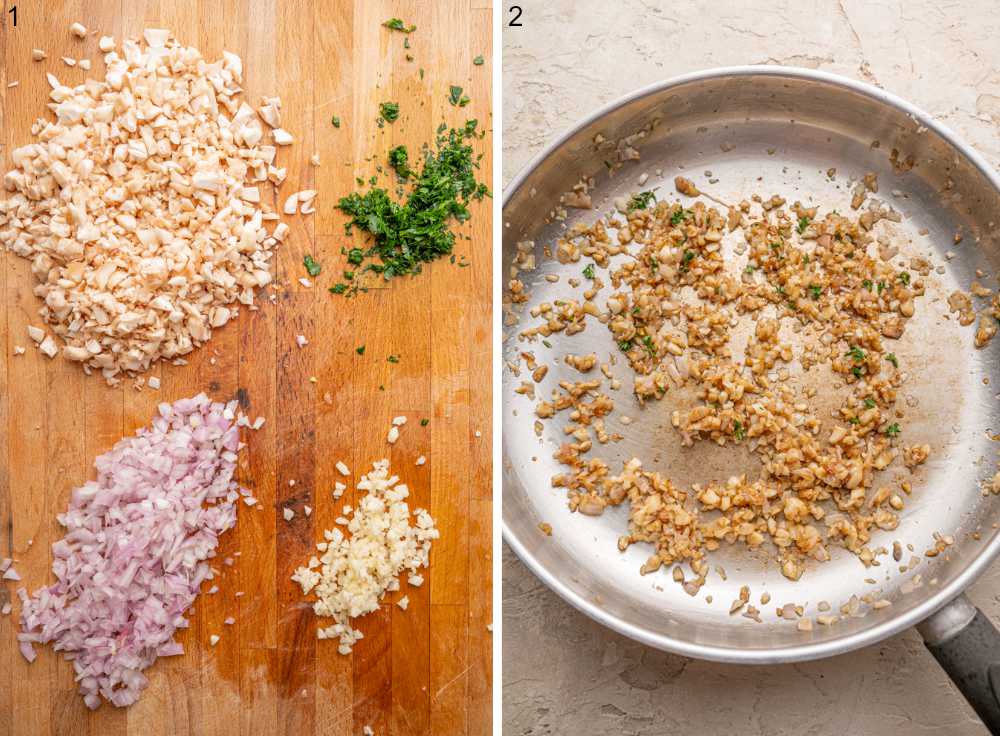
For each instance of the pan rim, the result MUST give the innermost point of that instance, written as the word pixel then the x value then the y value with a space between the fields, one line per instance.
pixel 794 652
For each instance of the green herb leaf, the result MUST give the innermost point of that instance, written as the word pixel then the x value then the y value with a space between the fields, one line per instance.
pixel 686 259
pixel 625 346
pixel 891 357
pixel 867 284
pixel 869 403
pixel 815 291
pixel 360 349
pixel 312 268
pixel 389 111
pixel 679 216
pixel 904 278
pixel 399 160
pixel 338 289
pixel 479 60
pixel 336 121
pixel 424 422
pixel 647 343
pixel 751 267
pixel 803 224
pixel 396 24
pixel 417 230
pixel 455 94
pixel 588 272
pixel 641 200
pixel 856 353
pixel 857 371
pixel 892 430
pixel 393 358
pixel 738 432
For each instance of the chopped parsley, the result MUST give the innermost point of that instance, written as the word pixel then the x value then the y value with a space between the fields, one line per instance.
pixel 686 260
pixel 854 420
pixel 891 357
pixel 647 343
pixel 396 24
pixel 880 287
pixel 892 430
pixel 679 216
pixel 803 224
pixel 867 283
pixel 424 422
pixel 479 61
pixel 857 371
pixel 455 96
pixel 641 200
pixel 393 358
pixel 856 353
pixel 904 278
pixel 815 291
pixel 417 230
pixel 389 111
pixel 738 432
pixel 336 121
pixel 869 403
pixel 625 346
pixel 751 267
pixel 588 272
pixel 399 159
pixel 360 349
pixel 312 268
pixel 338 289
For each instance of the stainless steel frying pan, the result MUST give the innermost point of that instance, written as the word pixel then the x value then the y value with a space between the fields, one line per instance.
pixel 736 131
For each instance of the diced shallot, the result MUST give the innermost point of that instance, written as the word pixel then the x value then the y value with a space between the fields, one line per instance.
pixel 136 548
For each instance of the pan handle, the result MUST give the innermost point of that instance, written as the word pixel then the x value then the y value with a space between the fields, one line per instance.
pixel 967 645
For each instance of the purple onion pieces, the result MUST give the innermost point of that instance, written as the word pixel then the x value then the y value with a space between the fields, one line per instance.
pixel 137 540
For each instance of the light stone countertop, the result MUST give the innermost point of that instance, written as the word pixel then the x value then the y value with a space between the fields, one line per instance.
pixel 563 673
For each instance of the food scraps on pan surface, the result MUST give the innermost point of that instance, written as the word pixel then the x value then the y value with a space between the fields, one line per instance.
pixel 136 549
pixel 677 302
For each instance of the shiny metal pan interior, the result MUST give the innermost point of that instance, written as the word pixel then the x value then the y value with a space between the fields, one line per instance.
pixel 766 130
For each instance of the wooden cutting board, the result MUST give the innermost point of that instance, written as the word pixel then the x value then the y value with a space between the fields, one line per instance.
pixel 426 670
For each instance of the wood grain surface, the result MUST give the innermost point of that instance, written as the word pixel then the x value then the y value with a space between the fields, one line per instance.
pixel 426 670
